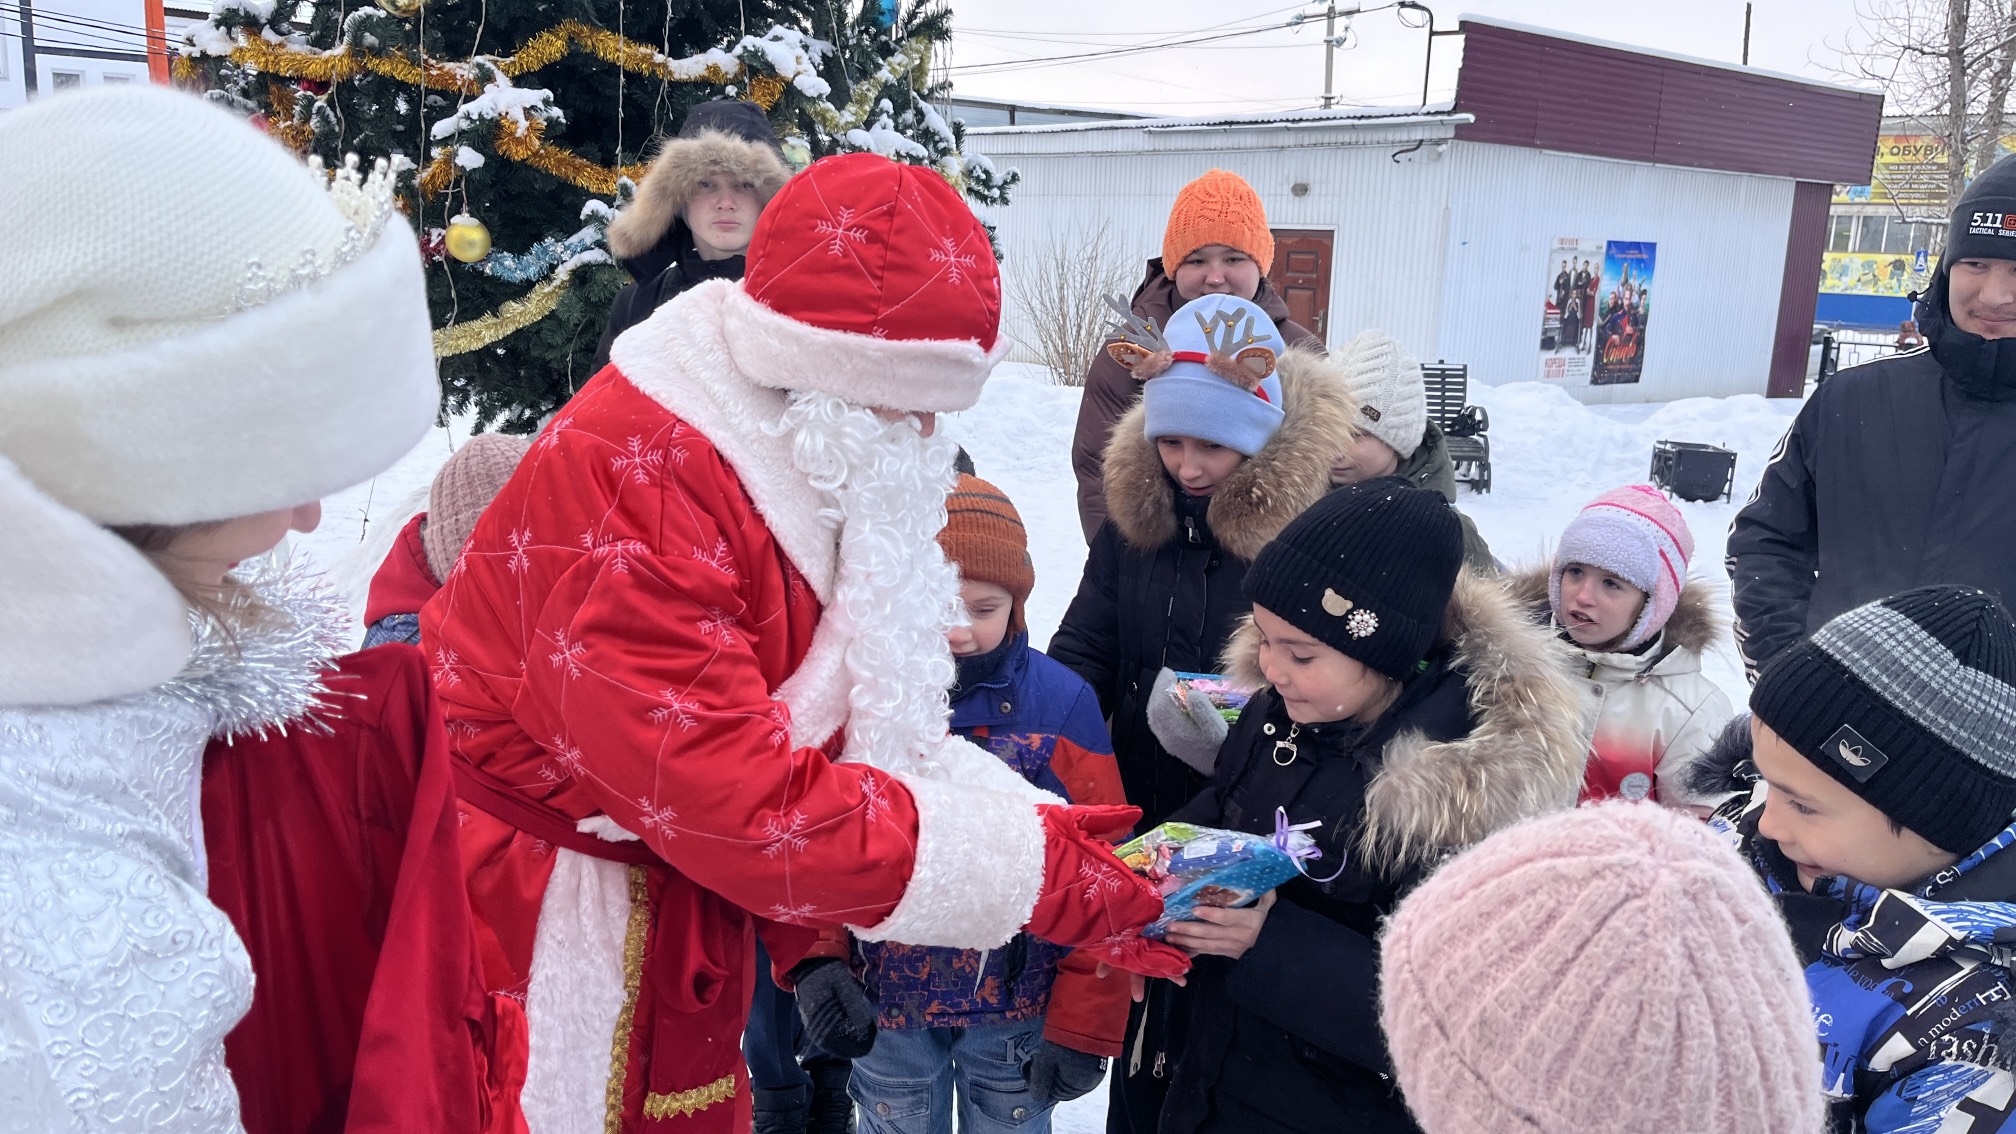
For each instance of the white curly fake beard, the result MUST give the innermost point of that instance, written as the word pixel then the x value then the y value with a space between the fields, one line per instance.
pixel 894 593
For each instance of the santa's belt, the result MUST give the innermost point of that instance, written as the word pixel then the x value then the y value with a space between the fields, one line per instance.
pixel 497 798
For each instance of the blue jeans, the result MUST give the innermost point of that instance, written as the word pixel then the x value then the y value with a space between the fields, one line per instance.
pixel 907 1084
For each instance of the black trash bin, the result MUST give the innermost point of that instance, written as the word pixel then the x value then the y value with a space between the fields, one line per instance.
pixel 1693 471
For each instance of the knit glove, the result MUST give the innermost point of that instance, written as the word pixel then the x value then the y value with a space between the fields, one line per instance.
pixel 1191 729
pixel 1059 1074
pixel 1092 901
pixel 838 1015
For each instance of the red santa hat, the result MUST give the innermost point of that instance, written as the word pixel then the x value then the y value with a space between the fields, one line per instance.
pixel 873 281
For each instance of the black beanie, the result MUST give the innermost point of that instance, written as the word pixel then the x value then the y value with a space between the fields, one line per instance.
pixel 1910 703
pixel 732 116
pixel 1367 570
pixel 1984 222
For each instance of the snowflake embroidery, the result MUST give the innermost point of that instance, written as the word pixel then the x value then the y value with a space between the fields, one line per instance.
pixel 876 796
pixel 567 755
pixel 616 551
pixel 791 914
pixel 446 661
pixel 839 231
pixel 956 262
pixel 719 624
pixel 784 834
pixel 549 774
pixel 1098 883
pixel 678 708
pixel 779 731
pixel 719 559
pixel 520 541
pixel 567 654
pixel 636 463
pixel 550 436
pixel 656 818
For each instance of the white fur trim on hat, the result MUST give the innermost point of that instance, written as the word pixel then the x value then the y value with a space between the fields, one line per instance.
pixel 269 408
pixel 918 375
pixel 1386 381
pixel 85 617
pixel 978 870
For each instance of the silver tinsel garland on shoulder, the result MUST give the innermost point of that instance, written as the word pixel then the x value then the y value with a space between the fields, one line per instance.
pixel 261 665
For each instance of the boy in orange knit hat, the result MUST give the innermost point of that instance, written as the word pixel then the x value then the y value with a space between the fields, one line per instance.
pixel 1024 1027
pixel 1217 243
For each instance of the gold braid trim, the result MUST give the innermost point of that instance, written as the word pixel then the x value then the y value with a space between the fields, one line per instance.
pixel 682 1103
pixel 461 338
pixel 633 976
pixel 527 144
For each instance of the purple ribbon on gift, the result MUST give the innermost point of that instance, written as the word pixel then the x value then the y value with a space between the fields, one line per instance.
pixel 1282 842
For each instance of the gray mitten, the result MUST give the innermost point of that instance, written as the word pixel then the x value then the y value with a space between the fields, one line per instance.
pixel 1192 731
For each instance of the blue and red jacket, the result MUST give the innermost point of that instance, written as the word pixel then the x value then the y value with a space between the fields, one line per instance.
pixel 1042 720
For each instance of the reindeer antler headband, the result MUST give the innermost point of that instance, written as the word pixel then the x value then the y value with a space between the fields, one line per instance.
pixel 1231 352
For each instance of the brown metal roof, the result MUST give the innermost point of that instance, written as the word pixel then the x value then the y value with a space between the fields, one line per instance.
pixel 1530 88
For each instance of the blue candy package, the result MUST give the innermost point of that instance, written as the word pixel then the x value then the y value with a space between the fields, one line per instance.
pixel 1196 866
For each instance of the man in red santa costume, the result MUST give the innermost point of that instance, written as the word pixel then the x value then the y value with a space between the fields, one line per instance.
pixel 693 662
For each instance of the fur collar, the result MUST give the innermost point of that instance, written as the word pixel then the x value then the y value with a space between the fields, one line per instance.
pixel 675 174
pixel 1696 625
pixel 1523 758
pixel 1270 488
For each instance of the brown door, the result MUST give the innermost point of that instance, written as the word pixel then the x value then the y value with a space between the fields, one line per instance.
pixel 1301 273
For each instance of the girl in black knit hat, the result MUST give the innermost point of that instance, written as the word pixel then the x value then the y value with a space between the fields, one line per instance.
pixel 1406 710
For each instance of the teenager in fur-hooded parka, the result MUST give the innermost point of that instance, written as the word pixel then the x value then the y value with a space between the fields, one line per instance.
pixel 651 238
pixel 1482 732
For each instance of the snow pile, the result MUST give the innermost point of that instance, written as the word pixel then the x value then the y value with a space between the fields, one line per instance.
pixel 520 106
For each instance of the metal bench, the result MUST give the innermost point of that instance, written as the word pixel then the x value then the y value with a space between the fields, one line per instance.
pixel 1463 425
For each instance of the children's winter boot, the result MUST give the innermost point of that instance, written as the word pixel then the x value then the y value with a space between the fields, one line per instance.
pixel 783 1110
pixel 832 1106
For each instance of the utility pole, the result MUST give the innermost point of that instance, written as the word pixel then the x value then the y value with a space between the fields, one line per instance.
pixel 1746 35
pixel 1329 55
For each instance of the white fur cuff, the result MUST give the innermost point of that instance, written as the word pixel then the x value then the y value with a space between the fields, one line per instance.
pixel 919 375
pixel 978 871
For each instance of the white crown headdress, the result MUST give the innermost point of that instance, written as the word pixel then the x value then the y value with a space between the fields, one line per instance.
pixel 365 201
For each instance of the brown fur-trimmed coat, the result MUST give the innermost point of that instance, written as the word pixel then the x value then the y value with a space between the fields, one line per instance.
pixel 650 238
pixel 1161 582
pixel 1652 712
pixel 1287 1037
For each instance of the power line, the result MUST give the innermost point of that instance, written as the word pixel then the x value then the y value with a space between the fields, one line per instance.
pixel 1110 53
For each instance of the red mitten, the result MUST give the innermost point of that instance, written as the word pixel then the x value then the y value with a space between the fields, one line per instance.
pixel 1091 900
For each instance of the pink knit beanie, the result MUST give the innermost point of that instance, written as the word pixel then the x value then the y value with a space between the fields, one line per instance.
pixel 1612 968
pixel 1636 534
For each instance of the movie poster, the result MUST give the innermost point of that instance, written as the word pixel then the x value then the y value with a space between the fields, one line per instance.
pixel 1623 311
pixel 1567 330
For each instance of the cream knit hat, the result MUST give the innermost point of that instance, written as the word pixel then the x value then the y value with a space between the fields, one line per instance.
pixel 1392 403
pixel 1611 968
pixel 193 327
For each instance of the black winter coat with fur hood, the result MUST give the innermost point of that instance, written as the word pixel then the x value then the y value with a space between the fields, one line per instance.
pixel 1161 583
pixel 650 237
pixel 1287 1038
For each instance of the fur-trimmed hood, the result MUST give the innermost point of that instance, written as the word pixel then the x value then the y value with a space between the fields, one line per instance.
pixel 1289 473
pixel 1696 624
pixel 674 174
pixel 1524 757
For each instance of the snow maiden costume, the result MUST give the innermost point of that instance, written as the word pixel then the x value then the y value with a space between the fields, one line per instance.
pixel 202 387
pixel 694 663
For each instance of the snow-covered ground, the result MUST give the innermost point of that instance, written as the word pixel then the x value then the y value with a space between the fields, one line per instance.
pixel 1550 455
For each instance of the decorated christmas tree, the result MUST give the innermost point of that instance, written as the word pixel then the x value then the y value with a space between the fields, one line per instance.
pixel 517 129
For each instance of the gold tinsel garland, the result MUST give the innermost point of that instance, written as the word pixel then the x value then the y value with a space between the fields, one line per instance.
pixel 512 315
pixel 528 145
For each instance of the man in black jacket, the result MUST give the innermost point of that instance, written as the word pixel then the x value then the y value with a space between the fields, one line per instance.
pixel 1896 474
pixel 694 211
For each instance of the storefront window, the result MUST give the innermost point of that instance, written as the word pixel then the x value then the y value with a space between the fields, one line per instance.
pixel 1869 237
pixel 1842 237
pixel 1899 237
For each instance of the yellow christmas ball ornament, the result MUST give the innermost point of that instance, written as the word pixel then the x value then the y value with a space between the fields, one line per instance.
pixel 404 9
pixel 467 239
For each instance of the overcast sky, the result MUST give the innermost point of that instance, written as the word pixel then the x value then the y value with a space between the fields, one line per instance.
pixel 996 44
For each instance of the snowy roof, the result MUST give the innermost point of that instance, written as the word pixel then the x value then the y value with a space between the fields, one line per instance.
pixel 1634 49
pixel 1338 116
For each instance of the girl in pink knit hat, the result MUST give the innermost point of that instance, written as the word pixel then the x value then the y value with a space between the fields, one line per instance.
pixel 1618 592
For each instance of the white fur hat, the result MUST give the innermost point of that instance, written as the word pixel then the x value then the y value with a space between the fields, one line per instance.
pixel 193 327
pixel 1392 403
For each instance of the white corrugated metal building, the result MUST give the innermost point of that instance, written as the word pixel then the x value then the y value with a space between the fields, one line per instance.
pixel 1441 220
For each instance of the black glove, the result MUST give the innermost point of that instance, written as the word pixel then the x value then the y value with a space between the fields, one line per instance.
pixel 838 1015
pixel 1059 1074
